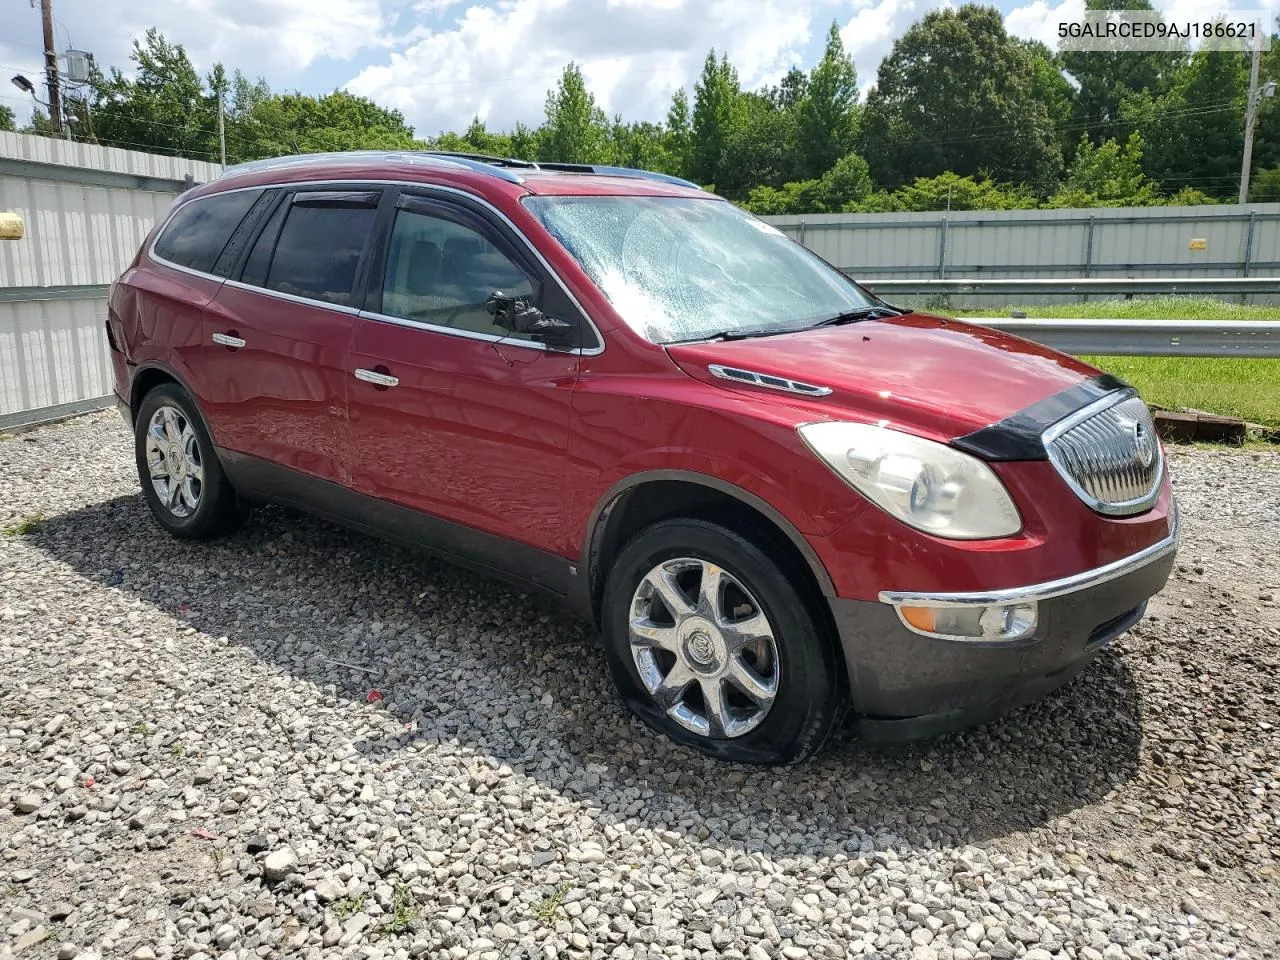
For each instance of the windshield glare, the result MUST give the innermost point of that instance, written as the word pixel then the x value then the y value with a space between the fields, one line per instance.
pixel 683 268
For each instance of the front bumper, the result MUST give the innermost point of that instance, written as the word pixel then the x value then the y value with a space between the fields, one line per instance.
pixel 905 685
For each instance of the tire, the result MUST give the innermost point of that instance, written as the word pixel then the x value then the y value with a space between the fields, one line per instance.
pixel 780 696
pixel 202 504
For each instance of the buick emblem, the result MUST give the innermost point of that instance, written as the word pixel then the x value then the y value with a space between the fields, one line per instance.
pixel 1144 445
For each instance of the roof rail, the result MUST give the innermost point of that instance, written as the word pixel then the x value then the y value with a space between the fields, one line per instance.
pixel 480 159
pixel 460 161
pixel 482 164
pixel 644 175
pixel 485 158
pixel 479 162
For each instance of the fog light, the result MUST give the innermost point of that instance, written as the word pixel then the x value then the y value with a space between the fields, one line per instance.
pixel 1003 622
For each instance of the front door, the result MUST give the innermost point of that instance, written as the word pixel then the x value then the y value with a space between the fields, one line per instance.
pixel 450 414
pixel 277 357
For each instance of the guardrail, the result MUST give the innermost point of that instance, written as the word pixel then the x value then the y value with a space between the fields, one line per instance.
pixel 1039 286
pixel 1146 338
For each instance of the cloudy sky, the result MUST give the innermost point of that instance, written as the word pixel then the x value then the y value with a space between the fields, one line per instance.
pixel 442 62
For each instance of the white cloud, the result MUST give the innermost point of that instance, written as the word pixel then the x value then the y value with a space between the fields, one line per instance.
pixel 870 33
pixel 497 61
pixel 1039 20
pixel 261 37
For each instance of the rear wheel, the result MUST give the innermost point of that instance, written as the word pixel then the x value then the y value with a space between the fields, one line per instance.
pixel 181 478
pixel 717 645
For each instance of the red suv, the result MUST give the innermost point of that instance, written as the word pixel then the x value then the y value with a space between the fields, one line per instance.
pixel 778 497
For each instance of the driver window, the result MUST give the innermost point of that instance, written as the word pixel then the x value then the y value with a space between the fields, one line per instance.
pixel 441 272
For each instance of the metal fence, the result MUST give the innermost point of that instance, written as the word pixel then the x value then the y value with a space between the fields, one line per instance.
pixel 1147 338
pixel 86 210
pixel 1118 242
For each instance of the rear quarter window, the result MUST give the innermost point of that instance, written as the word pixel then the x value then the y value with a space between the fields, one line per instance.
pixel 196 234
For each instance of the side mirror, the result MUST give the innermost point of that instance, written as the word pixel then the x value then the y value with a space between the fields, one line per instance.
pixel 519 316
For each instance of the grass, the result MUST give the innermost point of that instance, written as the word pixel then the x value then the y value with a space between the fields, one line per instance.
pixel 404 912
pixel 348 906
pixel 1235 388
pixel 547 908
pixel 26 526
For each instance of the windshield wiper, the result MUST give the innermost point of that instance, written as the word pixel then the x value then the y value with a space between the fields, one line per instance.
pixel 738 334
pixel 859 313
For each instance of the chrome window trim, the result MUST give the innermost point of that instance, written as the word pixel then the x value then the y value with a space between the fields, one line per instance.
pixel 294 298
pixel 1051 588
pixel 753 378
pixel 1124 508
pixel 454 331
pixel 419 184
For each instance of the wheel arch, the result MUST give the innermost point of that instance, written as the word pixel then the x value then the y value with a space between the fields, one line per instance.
pixel 645 498
pixel 148 376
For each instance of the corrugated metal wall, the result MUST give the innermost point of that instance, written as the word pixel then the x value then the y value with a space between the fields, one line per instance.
pixel 1104 242
pixel 86 210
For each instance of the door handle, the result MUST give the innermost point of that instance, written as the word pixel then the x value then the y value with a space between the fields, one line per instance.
pixel 377 378
pixel 229 340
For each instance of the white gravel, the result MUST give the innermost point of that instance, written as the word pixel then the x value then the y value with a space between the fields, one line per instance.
pixel 190 764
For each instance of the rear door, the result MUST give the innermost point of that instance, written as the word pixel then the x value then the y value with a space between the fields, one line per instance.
pixel 157 311
pixel 279 334
pixel 462 419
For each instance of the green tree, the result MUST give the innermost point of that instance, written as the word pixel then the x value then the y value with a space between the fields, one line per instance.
pixel 7 119
pixel 576 130
pixel 641 145
pixel 680 134
pixel 281 124
pixel 1109 175
pixel 524 142
pixel 718 115
pixel 828 111
pixel 1264 186
pixel 793 88
pixel 164 107
pixel 762 150
pixel 950 191
pixel 1050 86
pixel 844 187
pixel 1194 134
pixel 957 93
pixel 1107 78
pixel 1189 197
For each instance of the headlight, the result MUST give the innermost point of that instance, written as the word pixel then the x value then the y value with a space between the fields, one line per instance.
pixel 924 484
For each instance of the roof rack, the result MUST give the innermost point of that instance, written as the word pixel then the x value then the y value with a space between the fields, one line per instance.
pixel 411 156
pixel 502 167
pixel 481 159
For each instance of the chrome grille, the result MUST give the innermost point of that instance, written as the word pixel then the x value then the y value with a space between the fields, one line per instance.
pixel 1109 454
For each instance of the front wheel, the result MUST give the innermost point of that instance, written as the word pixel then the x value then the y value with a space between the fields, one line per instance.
pixel 181 478
pixel 718 646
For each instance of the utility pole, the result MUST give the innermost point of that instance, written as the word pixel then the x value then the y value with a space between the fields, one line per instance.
pixel 1251 110
pixel 51 68
pixel 222 130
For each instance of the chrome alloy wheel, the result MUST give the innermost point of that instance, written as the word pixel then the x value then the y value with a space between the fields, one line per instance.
pixel 704 648
pixel 174 461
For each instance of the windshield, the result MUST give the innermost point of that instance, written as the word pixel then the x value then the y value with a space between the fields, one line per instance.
pixel 683 268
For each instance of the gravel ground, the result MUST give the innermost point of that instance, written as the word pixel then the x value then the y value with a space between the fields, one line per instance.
pixel 193 763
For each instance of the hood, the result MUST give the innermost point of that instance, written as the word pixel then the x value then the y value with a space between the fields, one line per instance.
pixel 936 377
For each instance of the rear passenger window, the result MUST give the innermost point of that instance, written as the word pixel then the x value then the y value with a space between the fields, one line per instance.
pixel 200 229
pixel 319 246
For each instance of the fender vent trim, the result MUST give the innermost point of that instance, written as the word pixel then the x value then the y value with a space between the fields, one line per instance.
pixel 766 380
